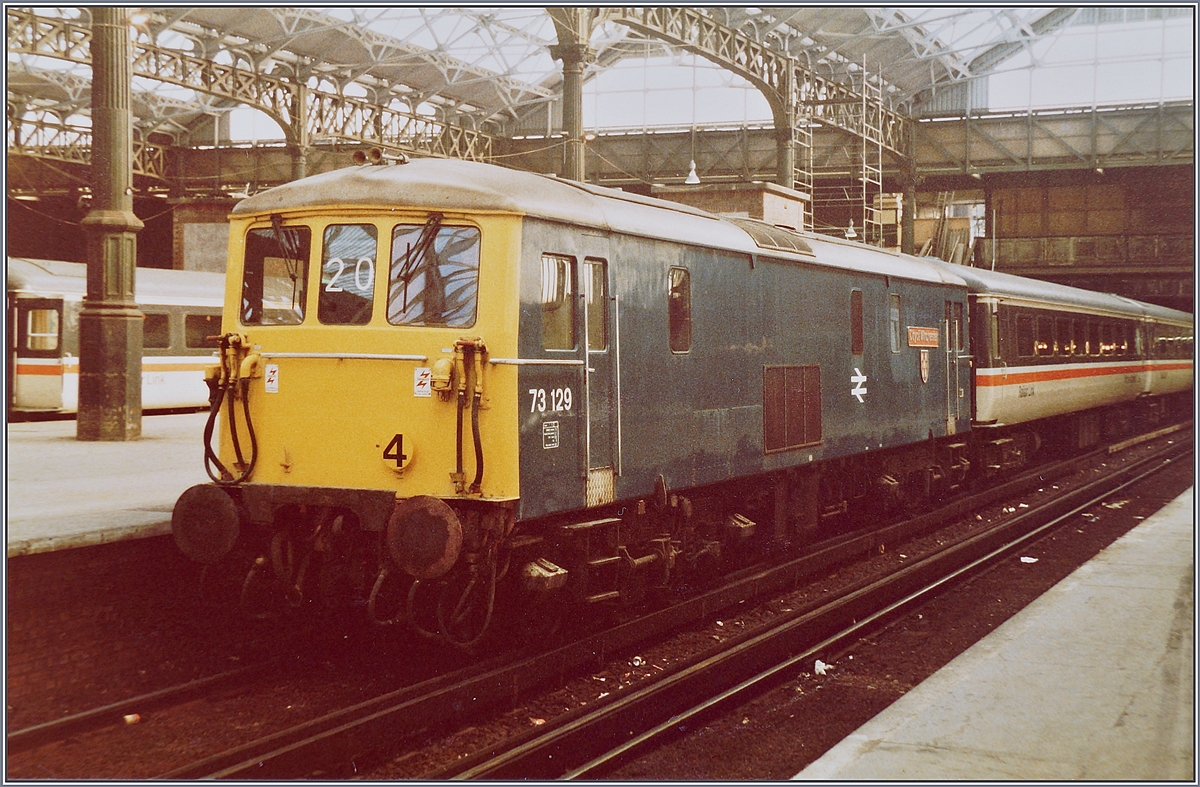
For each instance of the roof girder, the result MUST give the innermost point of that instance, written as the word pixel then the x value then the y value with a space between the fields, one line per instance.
pixel 303 113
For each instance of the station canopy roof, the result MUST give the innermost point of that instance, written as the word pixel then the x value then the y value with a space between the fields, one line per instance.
pixel 490 67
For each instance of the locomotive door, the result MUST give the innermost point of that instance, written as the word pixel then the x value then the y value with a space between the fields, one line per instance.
pixel 953 328
pixel 599 376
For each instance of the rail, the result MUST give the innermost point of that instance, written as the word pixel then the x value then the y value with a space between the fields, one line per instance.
pixel 590 743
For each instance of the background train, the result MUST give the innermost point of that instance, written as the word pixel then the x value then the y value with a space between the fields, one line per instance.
pixel 181 309
pixel 452 382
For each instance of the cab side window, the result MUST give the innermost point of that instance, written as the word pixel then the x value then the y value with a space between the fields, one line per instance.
pixel 558 302
pixel 595 290
pixel 894 320
pixel 679 309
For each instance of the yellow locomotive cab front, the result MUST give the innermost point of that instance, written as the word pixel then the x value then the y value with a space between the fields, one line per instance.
pixel 349 323
pixel 356 404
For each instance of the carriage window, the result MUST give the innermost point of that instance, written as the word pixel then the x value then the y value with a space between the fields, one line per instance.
pixel 1079 337
pixel 1107 343
pixel 1025 337
pixel 1122 339
pixel 894 320
pixel 679 309
pixel 42 329
pixel 1062 337
pixel 201 330
pixel 856 322
pixel 434 277
pixel 156 331
pixel 275 276
pixel 595 290
pixel 347 274
pixel 1045 337
pixel 558 302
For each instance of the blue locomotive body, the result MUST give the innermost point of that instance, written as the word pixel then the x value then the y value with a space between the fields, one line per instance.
pixel 700 350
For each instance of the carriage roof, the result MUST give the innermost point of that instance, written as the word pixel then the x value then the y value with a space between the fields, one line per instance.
pixel 1007 286
pixel 68 280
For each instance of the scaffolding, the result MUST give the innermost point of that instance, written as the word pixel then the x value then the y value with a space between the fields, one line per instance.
pixel 802 171
pixel 857 198
pixel 871 158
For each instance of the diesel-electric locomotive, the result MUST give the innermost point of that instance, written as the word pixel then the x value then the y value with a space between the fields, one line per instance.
pixel 443 381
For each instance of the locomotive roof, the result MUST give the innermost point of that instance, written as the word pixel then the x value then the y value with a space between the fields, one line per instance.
pixel 981 281
pixel 68 280
pixel 452 184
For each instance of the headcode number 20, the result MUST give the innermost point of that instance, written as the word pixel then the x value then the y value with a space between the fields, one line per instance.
pixel 554 400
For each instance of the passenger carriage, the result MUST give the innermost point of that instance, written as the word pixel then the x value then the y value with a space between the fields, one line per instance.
pixel 1045 351
pixel 182 311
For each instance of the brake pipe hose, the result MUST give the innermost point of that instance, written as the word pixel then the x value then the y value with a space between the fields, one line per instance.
pixel 476 402
pixel 225 388
pixel 462 402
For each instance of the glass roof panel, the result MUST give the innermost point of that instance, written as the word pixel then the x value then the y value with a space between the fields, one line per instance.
pixel 670 92
pixel 1098 64
pixel 493 64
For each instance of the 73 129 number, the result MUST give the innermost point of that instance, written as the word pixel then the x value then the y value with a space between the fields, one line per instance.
pixel 554 400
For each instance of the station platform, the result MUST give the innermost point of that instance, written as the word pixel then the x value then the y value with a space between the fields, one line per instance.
pixel 65 493
pixel 1095 680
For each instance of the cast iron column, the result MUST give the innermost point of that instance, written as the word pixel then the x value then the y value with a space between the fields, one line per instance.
pixel 575 58
pixel 110 324
pixel 785 151
pixel 910 179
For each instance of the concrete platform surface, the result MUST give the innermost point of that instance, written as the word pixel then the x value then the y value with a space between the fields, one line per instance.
pixel 63 492
pixel 1094 680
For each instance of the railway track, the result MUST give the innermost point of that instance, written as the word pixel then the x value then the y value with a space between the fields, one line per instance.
pixel 333 744
pixel 593 741
pixel 131 708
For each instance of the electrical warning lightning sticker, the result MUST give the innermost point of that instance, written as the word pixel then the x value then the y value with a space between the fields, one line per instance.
pixel 423 381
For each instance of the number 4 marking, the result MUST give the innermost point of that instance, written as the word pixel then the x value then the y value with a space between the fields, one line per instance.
pixel 395 450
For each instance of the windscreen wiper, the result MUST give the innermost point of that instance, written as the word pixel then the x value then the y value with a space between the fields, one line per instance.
pixel 416 253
